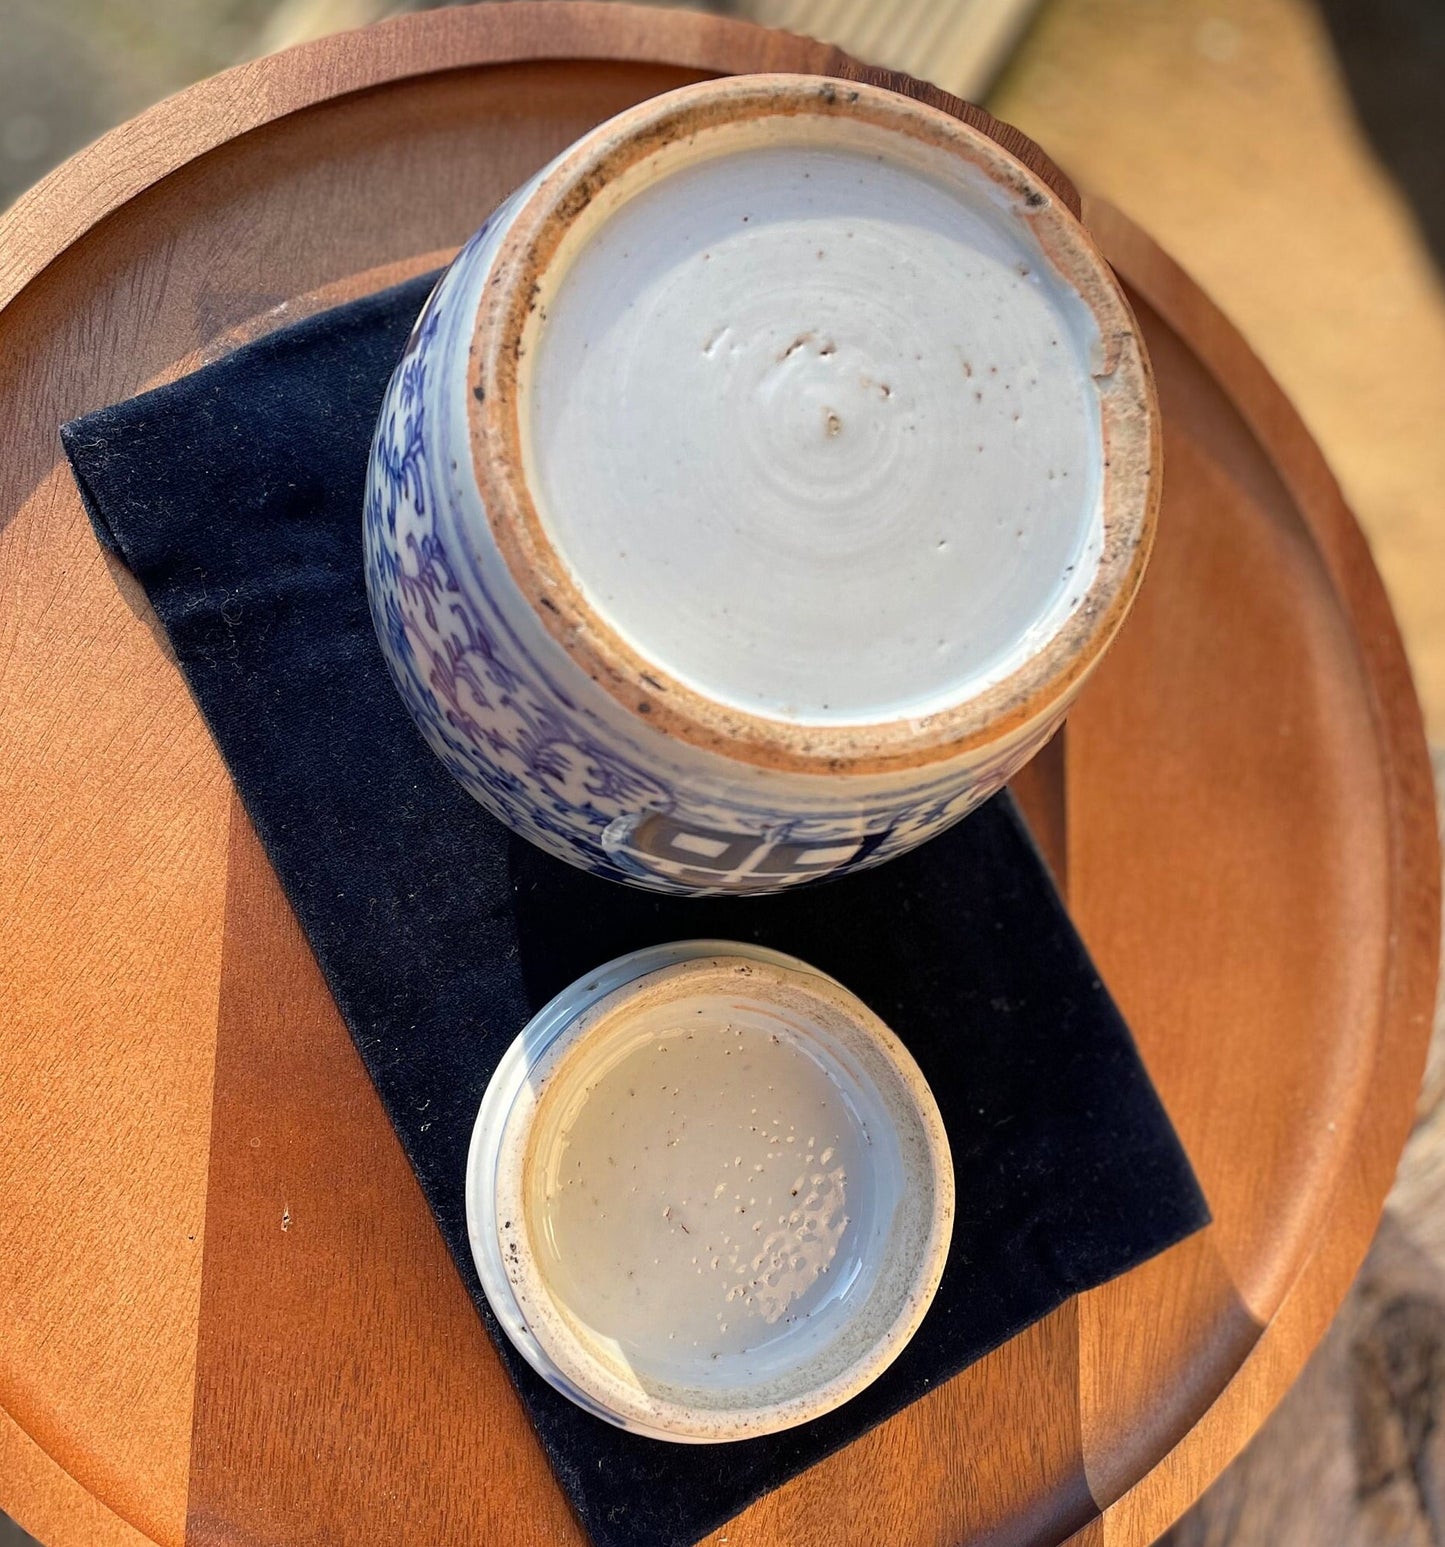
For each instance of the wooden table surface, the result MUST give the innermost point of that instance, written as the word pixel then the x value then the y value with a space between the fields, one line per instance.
pixel 229 1318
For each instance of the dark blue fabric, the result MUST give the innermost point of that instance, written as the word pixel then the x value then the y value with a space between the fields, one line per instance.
pixel 235 497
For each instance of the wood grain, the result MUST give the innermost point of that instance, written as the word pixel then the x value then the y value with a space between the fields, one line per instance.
pixel 63 206
pixel 1356 1451
pixel 340 1358
pixel 1353 1453
pixel 1358 1167
pixel 1206 838
pixel 111 802
pixel 1246 840
pixel 994 1456
pixel 51 1505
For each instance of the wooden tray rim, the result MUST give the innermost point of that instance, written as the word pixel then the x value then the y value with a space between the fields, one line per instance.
pixel 100 179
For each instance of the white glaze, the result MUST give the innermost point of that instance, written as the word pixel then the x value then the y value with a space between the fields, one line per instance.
pixel 815 430
pixel 792 1318
pixel 708 1189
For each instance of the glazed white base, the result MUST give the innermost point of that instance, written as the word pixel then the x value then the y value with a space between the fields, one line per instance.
pixel 708 1189
pixel 815 431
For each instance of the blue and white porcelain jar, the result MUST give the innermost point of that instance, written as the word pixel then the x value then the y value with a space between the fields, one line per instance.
pixel 759 485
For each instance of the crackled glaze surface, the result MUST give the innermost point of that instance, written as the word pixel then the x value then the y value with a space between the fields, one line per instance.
pixel 709 1193
pixel 703 1190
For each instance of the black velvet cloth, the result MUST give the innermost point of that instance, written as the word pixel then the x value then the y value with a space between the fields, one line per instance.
pixel 234 496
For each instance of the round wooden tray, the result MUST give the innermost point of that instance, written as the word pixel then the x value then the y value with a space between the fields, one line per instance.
pixel 228 1316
